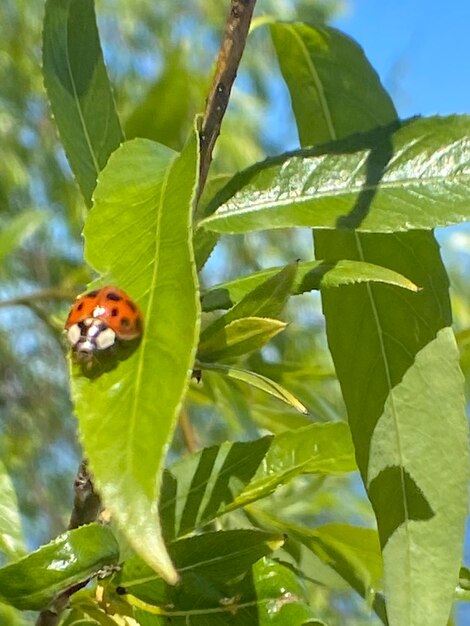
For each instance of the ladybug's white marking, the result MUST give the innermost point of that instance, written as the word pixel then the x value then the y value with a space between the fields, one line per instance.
pixel 105 339
pixel 98 310
pixel 93 330
pixel 85 346
pixel 73 334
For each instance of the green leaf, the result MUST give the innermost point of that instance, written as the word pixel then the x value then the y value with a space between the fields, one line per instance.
pixel 258 381
pixel 142 218
pixel 238 337
pixel 395 178
pixel 216 480
pixel 35 580
pixel 11 535
pixel 410 437
pixel 310 275
pixel 19 228
pixel 267 299
pixel 315 449
pixel 213 557
pixel 163 114
pixel 269 594
pixel 79 90
pixel 205 241
pixel 324 70
pixel 351 551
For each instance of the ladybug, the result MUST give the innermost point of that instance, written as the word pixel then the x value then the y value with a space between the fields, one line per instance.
pixel 100 320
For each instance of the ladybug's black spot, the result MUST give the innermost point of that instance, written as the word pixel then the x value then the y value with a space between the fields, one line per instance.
pixel 92 294
pixel 79 306
pixel 121 591
pixel 114 312
pixel 115 297
pixel 131 305
pixel 125 322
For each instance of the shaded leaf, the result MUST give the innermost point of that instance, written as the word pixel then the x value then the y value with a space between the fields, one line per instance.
pixel 405 176
pixel 36 579
pixel 19 228
pixel 128 414
pixel 205 485
pixel 270 594
pixel 412 456
pixel 163 114
pixel 258 381
pixel 238 337
pixel 215 558
pixel 78 88
pixel 266 299
pixel 310 275
pixel 351 551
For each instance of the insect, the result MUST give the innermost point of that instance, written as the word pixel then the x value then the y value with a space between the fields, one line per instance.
pixel 100 321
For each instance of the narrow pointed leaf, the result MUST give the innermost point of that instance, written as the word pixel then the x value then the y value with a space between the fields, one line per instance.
pixel 310 275
pixel 141 218
pixel 385 345
pixel 11 535
pixel 78 88
pixel 258 381
pixel 19 228
pixel 239 337
pixel 270 594
pixel 211 557
pixel 400 177
pixel 35 580
pixel 216 480
pixel 315 449
pixel 351 551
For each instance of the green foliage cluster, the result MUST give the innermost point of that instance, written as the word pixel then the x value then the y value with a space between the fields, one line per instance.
pixel 246 529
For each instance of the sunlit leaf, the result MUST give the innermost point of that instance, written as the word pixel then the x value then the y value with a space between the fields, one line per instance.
pixel 310 275
pixel 74 557
pixel 265 300
pixel 141 217
pixel 11 534
pixel 404 176
pixel 410 437
pixel 205 485
pixel 258 381
pixel 78 88
pixel 238 337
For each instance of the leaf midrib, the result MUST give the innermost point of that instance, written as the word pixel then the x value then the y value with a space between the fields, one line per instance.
pixel 142 349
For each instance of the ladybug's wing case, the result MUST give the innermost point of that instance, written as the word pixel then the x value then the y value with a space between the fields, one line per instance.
pixel 121 314
pixel 82 308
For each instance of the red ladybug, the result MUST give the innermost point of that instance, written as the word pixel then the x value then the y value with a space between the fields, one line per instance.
pixel 101 319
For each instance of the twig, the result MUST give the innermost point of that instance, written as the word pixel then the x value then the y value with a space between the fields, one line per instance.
pixel 86 508
pixel 46 294
pixel 87 502
pixel 187 429
pixel 230 54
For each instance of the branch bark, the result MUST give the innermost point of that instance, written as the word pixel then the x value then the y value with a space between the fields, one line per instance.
pixel 230 54
pixel 86 509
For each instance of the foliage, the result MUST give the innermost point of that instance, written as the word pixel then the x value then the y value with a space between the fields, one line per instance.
pixel 247 513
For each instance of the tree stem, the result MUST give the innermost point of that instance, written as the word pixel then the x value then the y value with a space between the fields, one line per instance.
pixel 230 54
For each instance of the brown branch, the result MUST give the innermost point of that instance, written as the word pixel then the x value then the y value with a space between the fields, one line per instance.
pixel 86 509
pixel 230 54
pixel 46 294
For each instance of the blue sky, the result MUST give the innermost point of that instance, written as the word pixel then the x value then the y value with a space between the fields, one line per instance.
pixel 420 48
